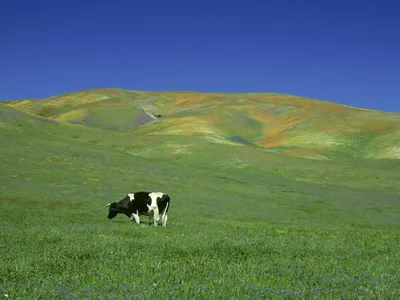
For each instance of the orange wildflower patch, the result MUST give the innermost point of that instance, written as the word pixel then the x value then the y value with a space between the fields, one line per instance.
pixel 275 131
pixel 324 126
pixel 262 115
pixel 185 100
pixel 279 127
pixel 382 128
pixel 240 107
pixel 330 107
pixel 270 142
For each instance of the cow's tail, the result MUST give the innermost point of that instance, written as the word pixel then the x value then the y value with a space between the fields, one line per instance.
pixel 166 208
pixel 166 199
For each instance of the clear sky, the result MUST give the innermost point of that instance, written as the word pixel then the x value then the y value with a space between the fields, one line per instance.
pixel 343 51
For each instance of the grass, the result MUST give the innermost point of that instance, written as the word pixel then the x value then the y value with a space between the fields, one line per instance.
pixel 81 255
pixel 244 222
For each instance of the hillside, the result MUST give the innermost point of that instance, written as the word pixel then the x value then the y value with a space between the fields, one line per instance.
pixel 248 218
pixel 285 124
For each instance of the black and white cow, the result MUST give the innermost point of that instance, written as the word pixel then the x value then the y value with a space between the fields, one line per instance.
pixel 150 204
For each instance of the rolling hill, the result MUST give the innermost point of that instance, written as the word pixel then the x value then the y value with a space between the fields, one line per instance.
pixel 285 124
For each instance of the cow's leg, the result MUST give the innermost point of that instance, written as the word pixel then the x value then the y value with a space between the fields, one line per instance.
pixel 156 216
pixel 164 220
pixel 135 217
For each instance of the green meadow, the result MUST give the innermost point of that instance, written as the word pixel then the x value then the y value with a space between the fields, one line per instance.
pixel 257 210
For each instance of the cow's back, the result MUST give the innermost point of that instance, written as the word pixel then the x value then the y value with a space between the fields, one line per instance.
pixel 140 202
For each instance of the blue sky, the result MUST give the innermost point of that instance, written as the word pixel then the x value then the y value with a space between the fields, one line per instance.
pixel 342 51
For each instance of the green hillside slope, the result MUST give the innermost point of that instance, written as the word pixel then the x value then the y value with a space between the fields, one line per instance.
pixel 286 124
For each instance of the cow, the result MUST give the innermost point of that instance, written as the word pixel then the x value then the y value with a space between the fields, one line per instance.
pixel 150 204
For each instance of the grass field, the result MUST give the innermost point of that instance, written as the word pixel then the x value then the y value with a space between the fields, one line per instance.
pixel 246 221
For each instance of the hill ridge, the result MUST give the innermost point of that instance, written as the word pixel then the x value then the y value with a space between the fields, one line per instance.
pixel 283 123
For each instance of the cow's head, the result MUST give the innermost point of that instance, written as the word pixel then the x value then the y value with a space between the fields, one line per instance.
pixel 120 207
pixel 112 211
